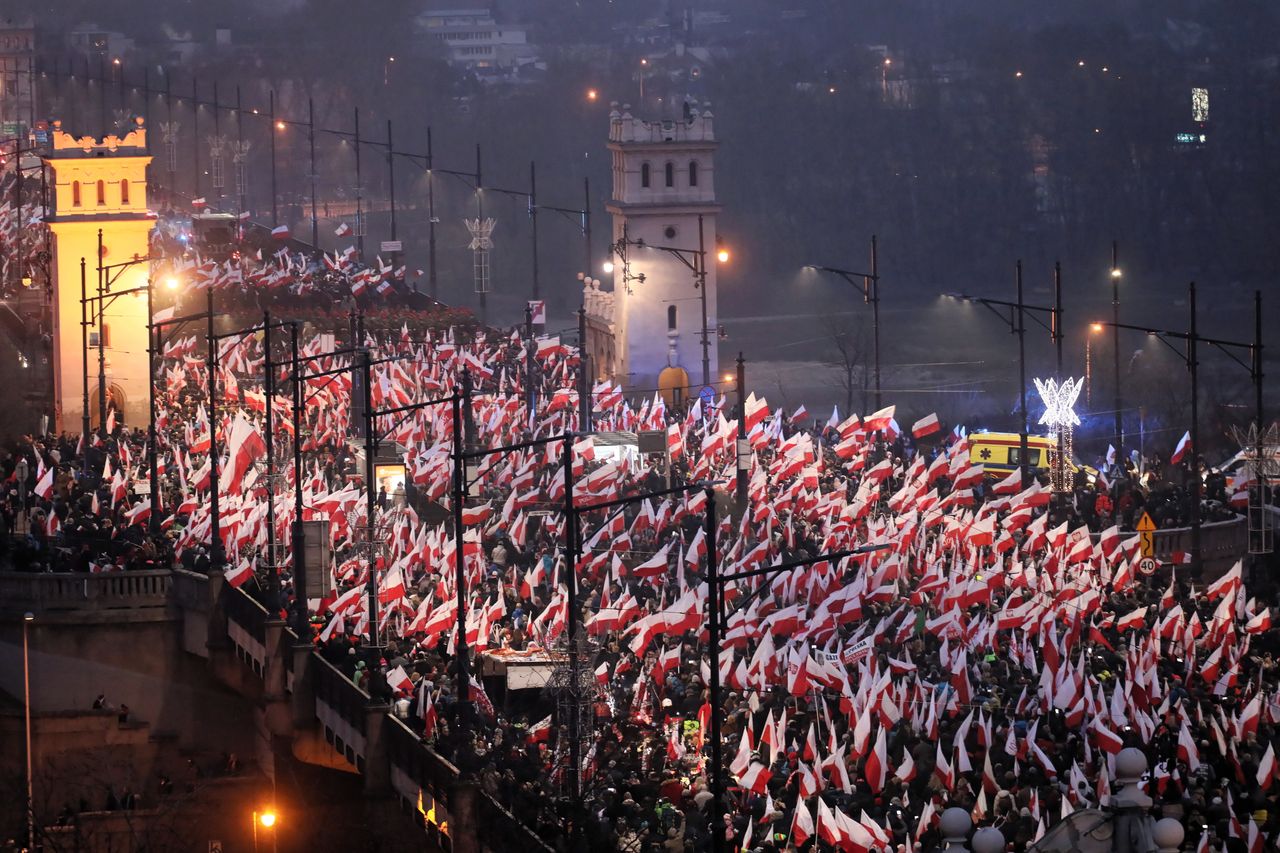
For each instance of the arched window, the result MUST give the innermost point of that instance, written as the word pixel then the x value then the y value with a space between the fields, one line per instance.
pixel 693 173
pixel 671 318
pixel 75 193
pixel 124 190
pixel 644 174
pixel 671 174
pixel 102 192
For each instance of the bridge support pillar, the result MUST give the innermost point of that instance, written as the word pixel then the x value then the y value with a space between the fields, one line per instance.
pixel 377 763
pixel 279 712
pixel 304 694
pixel 464 829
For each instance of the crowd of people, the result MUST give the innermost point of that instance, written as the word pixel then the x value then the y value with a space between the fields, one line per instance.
pixel 995 652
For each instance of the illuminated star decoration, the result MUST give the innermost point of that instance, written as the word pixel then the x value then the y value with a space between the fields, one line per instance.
pixel 1059 401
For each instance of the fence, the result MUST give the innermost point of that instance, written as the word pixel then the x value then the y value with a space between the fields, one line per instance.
pixel 44 593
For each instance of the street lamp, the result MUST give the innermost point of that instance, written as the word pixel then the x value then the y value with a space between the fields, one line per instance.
pixel 870 284
pixel 1016 321
pixel 694 259
pixel 266 819
pixel 607 266
pixel 1190 357
pixel 27 619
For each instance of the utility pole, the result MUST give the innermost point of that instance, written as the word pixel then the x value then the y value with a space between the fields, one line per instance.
pixel 744 447
pixel 1115 342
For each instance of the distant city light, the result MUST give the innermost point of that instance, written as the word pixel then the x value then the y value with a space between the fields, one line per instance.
pixel 592 94
pixel 1199 105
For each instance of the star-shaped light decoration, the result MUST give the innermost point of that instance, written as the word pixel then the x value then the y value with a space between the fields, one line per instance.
pixel 1059 401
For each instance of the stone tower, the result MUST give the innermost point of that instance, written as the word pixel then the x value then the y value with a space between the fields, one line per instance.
pixel 100 186
pixel 664 231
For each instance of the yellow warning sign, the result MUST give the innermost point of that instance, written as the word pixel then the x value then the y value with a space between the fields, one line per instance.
pixel 1147 530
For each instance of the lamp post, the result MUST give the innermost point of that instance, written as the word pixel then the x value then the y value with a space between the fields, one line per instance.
pixel 27 619
pixel 1115 342
pixel 1190 357
pixel 695 260
pixel 869 282
pixel 1019 310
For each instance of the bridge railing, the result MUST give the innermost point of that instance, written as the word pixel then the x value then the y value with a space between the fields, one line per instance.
pixel 341 709
pixel 423 778
pixel 246 627
pixel 49 592
pixel 1221 543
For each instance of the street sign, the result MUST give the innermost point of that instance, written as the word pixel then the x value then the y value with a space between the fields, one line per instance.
pixel 391 246
pixel 1147 530
pixel 1148 565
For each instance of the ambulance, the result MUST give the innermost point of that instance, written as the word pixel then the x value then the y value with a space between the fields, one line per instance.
pixel 999 452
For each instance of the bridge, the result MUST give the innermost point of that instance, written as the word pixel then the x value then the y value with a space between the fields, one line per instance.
pixel 303 707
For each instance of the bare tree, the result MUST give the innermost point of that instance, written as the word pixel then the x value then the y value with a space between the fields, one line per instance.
pixel 848 353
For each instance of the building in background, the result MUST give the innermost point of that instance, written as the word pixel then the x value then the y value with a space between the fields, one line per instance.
pixel 17 104
pixel 474 39
pixel 664 213
pixel 99 186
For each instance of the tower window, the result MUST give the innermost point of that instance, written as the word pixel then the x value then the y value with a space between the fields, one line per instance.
pixel 102 192
pixel 124 190
pixel 75 193
pixel 671 318
pixel 693 173
pixel 671 174
pixel 644 174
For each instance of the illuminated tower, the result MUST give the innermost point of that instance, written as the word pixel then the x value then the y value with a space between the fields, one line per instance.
pixel 663 185
pixel 99 185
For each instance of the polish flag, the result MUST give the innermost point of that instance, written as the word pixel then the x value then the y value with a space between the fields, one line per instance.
pixel 342 230
pixel 240 573
pixel 654 566
pixel 1104 738
pixel 280 232
pixel 44 488
pixel 801 825
pixel 756 778
pixel 1133 620
pixel 926 426
pixel 1010 485
pixel 540 732
pixel 198 202
pixel 1178 452
pixel 756 410
pixel 907 769
pixel 877 762
pixel 1267 767
pixel 878 420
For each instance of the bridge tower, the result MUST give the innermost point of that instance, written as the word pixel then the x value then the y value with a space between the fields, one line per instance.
pixel 663 196
pixel 100 185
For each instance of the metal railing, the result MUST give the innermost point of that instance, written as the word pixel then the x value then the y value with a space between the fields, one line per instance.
pixel 42 593
pixel 422 778
pixel 341 708
pixel 246 627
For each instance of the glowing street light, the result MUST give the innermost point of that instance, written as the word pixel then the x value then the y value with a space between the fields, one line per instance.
pixel 267 819
pixel 592 94
pixel 172 282
pixel 722 256
pixel 607 267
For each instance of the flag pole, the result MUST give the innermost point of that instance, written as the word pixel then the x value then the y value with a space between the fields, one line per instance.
pixel 717 712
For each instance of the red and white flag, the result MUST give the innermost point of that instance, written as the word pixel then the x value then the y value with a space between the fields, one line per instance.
pixel 926 426
pixel 280 232
pixel 1184 444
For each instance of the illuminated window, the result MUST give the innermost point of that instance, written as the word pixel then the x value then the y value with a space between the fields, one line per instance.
pixel 644 174
pixel 671 174
pixel 75 193
pixel 124 191
pixel 693 173
pixel 102 192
